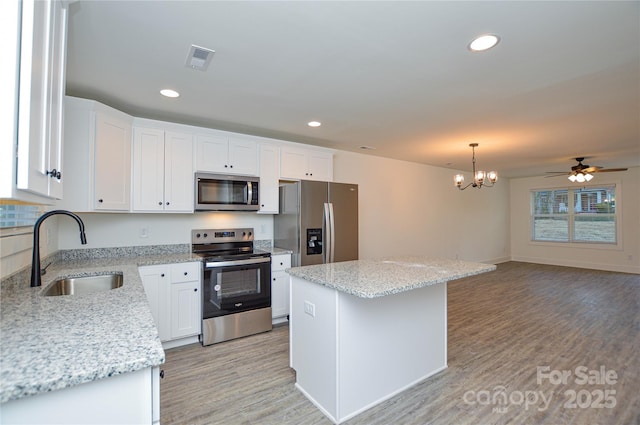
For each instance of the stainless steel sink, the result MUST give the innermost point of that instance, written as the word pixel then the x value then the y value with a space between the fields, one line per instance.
pixel 84 285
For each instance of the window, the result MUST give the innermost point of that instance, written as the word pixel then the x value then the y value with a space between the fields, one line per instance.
pixel 584 215
pixel 16 215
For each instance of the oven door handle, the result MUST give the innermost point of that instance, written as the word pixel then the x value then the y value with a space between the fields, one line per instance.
pixel 217 264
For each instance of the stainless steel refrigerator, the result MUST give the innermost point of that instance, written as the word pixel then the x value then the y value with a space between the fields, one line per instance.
pixel 318 221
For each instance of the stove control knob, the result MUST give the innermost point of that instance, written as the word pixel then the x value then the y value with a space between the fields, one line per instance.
pixel 205 235
pixel 250 233
pixel 197 235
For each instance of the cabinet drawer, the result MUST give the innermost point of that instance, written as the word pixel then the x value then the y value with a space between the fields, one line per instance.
pixel 185 272
pixel 280 262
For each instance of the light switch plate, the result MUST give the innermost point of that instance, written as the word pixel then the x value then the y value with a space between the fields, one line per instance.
pixel 310 308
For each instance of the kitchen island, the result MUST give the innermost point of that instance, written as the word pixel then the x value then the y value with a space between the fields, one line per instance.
pixel 363 331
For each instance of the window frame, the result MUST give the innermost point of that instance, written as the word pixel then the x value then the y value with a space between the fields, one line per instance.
pixel 570 216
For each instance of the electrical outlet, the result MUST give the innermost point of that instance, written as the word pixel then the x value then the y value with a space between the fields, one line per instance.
pixel 310 309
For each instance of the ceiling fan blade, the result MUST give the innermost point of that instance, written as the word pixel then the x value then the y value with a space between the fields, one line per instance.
pixel 592 169
pixel 609 170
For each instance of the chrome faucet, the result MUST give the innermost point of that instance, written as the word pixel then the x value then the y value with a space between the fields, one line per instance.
pixel 36 273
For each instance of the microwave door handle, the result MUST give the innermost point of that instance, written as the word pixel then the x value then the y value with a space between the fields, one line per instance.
pixel 249 192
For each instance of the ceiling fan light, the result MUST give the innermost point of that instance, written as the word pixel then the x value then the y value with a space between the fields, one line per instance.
pixel 580 178
pixel 588 177
pixel 572 178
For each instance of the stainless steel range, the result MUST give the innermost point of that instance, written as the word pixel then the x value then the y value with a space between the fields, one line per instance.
pixel 236 296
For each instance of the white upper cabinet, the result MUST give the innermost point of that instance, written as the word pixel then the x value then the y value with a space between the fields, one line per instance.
pixel 220 153
pixel 112 163
pixel 41 92
pixel 162 171
pixel 305 164
pixel 269 176
pixel 97 157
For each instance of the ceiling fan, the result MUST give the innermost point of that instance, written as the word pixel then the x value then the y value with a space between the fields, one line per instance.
pixel 582 172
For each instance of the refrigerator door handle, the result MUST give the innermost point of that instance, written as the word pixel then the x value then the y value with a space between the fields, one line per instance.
pixel 332 238
pixel 326 234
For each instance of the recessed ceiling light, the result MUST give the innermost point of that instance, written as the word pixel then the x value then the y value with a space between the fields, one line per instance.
pixel 169 93
pixel 314 123
pixel 483 42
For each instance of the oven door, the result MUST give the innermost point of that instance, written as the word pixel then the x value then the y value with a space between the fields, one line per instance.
pixel 236 285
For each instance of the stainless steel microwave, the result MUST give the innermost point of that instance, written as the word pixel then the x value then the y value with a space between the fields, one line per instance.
pixel 221 192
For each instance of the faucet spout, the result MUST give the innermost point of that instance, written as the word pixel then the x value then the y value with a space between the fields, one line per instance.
pixel 36 272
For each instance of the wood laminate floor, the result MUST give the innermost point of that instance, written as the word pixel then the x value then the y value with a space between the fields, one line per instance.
pixel 526 345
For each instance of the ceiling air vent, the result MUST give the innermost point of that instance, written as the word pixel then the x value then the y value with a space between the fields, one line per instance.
pixel 199 58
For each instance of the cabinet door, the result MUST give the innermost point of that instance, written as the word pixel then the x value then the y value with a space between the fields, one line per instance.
pixel 293 163
pixel 280 285
pixel 243 157
pixel 269 175
pixel 38 149
pixel 156 281
pixel 178 172
pixel 319 166
pixel 57 75
pixel 185 309
pixel 112 163
pixel 212 153
pixel 279 294
pixel 148 169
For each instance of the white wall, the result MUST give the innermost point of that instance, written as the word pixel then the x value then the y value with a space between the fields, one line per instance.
pixel 114 230
pixel 411 209
pixel 625 258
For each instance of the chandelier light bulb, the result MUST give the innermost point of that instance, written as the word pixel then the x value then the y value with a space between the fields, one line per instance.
pixel 458 180
pixel 492 176
pixel 480 175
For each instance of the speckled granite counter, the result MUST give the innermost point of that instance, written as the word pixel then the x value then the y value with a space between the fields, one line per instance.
pixel 380 277
pixel 50 343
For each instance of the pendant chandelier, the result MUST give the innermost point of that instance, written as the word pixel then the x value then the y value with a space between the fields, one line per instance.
pixel 479 177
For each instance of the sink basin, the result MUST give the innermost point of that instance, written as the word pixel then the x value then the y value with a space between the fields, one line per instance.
pixel 84 285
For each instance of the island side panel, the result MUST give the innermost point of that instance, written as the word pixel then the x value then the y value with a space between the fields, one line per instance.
pixel 388 344
pixel 313 343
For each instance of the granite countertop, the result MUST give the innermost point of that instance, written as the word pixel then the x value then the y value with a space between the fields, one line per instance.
pixel 50 343
pixel 387 276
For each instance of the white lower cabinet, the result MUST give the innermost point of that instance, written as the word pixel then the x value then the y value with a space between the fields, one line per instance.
pixel 173 292
pixel 127 398
pixel 280 287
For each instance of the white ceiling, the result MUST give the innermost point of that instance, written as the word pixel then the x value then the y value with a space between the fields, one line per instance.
pixel 397 76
